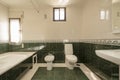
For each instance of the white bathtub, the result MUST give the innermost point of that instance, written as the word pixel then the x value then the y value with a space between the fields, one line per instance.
pixel 11 59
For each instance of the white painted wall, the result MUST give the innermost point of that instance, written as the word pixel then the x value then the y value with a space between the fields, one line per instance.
pixel 83 22
pixel 116 16
pixel 3 24
pixel 93 27
pixel 36 27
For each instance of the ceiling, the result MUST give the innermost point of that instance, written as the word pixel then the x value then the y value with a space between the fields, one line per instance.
pixel 115 1
pixel 37 3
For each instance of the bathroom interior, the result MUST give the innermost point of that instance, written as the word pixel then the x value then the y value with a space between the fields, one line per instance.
pixel 59 39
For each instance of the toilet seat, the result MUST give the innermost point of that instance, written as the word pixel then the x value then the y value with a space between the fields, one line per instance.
pixel 71 58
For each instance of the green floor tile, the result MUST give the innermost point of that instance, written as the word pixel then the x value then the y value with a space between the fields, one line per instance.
pixel 59 73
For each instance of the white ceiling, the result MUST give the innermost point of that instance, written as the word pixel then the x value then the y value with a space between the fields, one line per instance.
pixel 30 3
pixel 115 1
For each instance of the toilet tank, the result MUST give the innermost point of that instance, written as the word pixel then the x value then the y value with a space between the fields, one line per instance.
pixel 68 49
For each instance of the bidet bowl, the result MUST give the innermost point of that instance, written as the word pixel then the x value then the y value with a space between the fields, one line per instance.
pixel 49 58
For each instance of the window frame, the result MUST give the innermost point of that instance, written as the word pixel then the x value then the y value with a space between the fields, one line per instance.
pixel 59 13
pixel 20 31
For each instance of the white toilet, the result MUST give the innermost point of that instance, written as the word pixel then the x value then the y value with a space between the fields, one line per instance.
pixel 49 59
pixel 70 59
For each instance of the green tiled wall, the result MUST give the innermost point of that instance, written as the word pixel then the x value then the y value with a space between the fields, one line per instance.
pixel 56 49
pixel 31 45
pixel 79 50
pixel 27 47
pixel 84 51
pixel 4 47
pixel 14 47
pixel 86 54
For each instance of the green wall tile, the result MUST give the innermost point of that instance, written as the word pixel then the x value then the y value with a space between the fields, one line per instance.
pixel 4 47
pixel 86 54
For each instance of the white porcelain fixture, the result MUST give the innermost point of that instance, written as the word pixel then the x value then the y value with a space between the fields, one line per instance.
pixel 11 59
pixel 110 55
pixel 70 59
pixel 49 59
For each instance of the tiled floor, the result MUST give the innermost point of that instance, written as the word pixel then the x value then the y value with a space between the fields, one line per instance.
pixel 59 73
pixel 84 69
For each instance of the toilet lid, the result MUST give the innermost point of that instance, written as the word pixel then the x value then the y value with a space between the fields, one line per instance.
pixel 71 57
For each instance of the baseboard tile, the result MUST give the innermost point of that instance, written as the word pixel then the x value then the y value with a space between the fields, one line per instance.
pixel 88 72
pixel 54 65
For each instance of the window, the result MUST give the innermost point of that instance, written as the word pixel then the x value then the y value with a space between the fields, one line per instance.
pixel 15 32
pixel 104 15
pixel 59 14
